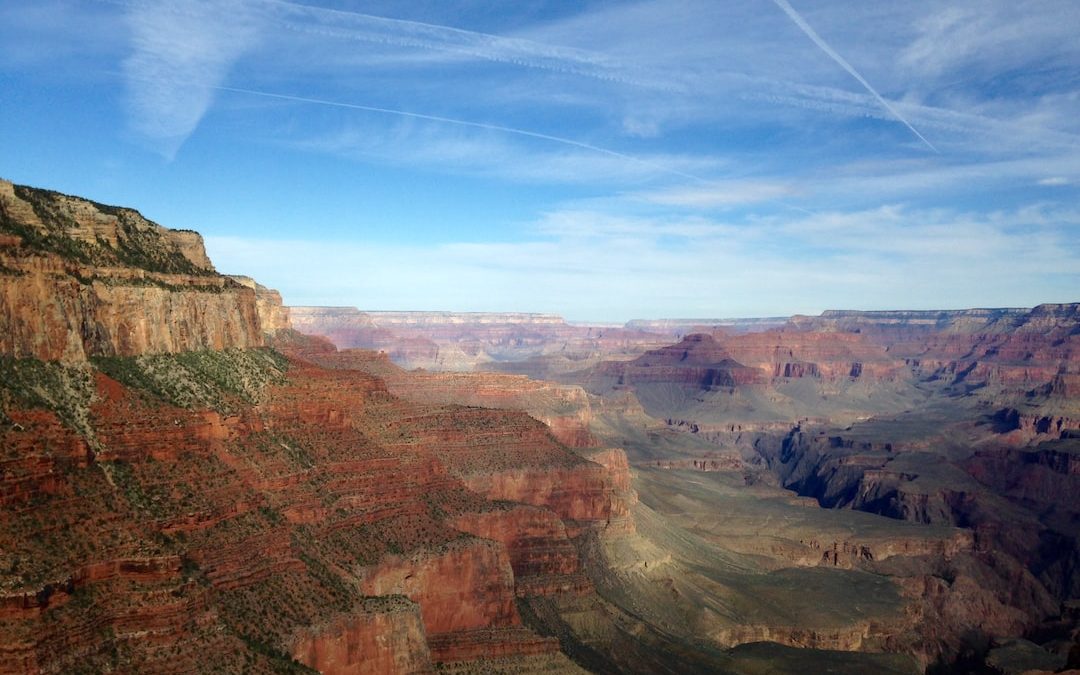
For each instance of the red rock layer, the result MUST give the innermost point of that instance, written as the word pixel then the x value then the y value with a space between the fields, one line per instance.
pixel 56 311
pixel 564 409
pixel 378 639
pixel 463 585
pixel 542 557
pixel 1011 348
pixel 463 341
pixel 211 533
pixel 698 361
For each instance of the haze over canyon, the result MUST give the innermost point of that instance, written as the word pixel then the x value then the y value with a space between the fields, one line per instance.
pixel 199 478
pixel 474 337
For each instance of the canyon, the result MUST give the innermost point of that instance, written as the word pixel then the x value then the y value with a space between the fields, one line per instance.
pixel 930 448
pixel 196 477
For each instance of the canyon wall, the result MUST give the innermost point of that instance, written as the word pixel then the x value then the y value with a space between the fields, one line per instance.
pixel 465 341
pixel 83 279
pixel 329 524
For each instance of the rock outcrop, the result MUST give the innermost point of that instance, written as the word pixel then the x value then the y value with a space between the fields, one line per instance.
pixel 177 498
pixel 83 279
pixel 297 515
pixel 273 314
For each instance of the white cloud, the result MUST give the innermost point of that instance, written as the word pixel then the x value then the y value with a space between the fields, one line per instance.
pixel 1055 181
pixel 602 267
pixel 489 151
pixel 181 51
pixel 982 36
pixel 458 43
pixel 719 194
pixel 843 63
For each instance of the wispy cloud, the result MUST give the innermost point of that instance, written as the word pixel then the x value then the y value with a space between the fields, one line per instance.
pixel 487 150
pixel 646 163
pixel 604 267
pixel 180 51
pixel 1054 181
pixel 824 46
pixel 654 154
pixel 469 44
pixel 719 194
pixel 984 37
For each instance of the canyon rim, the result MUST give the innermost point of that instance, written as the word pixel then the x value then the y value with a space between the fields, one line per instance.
pixel 645 336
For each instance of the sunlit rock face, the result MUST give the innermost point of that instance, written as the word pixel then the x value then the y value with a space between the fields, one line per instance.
pixel 84 279
pixel 176 497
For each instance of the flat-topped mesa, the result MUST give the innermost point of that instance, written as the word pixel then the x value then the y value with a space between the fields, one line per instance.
pixel 698 360
pixel 1050 317
pixel 687 326
pixel 751 359
pixel 83 279
pixel 459 341
pixel 1013 350
pixel 390 319
pixel 951 320
pixel 304 317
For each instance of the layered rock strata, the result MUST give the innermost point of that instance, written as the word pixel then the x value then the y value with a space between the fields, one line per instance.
pixel 82 279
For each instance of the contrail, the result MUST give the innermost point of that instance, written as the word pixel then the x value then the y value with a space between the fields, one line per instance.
pixel 490 127
pixel 322 22
pixel 467 123
pixel 510 50
pixel 810 33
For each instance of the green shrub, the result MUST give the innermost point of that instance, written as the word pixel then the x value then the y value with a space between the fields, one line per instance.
pixel 199 379
pixel 65 390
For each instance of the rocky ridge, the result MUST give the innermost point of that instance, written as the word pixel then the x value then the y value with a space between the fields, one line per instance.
pixel 83 279
pixel 177 497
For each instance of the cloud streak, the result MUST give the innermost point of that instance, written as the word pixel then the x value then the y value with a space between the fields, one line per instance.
pixel 475 125
pixel 526 53
pixel 179 52
pixel 842 62
pixel 599 266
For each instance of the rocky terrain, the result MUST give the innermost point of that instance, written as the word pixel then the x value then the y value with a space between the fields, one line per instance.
pixel 191 479
pixel 83 279
pixel 475 341
pixel 169 508
pixel 965 419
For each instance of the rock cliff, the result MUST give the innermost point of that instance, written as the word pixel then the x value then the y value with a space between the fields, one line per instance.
pixel 83 279
pixel 273 314
pixel 328 523
pixel 178 498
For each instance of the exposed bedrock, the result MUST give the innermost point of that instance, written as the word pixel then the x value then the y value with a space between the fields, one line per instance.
pixel 578 495
pixel 273 314
pixel 270 523
pixel 84 279
pixel 470 340
pixel 386 636
pixel 465 584
pixel 542 556
pixel 1019 567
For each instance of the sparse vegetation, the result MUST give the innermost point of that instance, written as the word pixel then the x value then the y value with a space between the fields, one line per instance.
pixel 65 390
pixel 139 243
pixel 205 378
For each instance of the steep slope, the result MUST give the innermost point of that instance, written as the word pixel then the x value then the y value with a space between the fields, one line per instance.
pixel 962 419
pixel 81 278
pixel 172 508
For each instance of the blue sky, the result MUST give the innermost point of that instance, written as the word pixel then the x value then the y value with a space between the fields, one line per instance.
pixel 604 161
